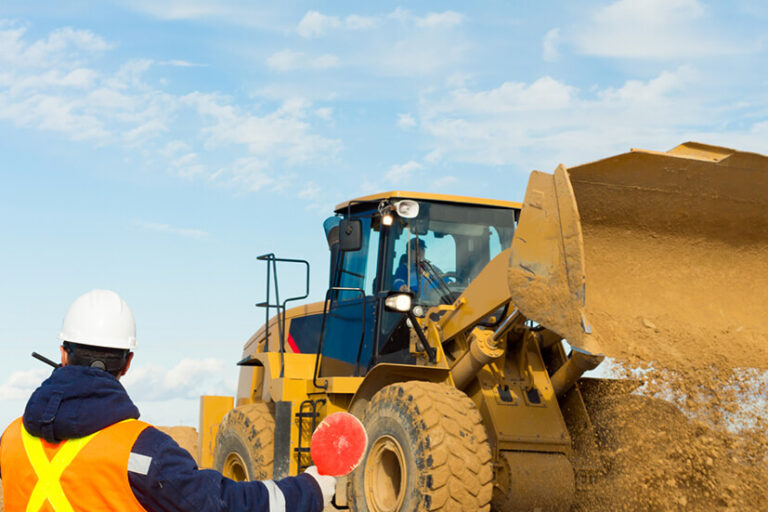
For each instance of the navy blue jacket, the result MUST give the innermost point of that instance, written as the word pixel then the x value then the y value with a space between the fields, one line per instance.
pixel 76 401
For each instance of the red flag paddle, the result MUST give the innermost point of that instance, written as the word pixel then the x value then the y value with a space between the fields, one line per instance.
pixel 338 444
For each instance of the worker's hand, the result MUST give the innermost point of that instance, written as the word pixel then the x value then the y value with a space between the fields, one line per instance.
pixel 327 484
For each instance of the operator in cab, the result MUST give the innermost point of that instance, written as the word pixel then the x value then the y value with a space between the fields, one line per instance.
pixel 80 447
pixel 415 273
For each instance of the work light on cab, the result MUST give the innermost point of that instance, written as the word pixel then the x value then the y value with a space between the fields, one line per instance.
pixel 399 302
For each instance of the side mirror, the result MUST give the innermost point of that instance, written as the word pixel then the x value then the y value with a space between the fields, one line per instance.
pixel 350 234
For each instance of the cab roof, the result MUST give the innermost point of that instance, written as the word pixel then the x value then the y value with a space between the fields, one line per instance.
pixel 446 198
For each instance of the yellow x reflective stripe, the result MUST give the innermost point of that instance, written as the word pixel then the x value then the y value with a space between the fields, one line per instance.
pixel 48 486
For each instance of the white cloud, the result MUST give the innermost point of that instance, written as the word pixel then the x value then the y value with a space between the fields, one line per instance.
pixel 549 45
pixel 545 93
pixel 249 173
pixel 282 134
pixel 444 181
pixel 326 61
pixel 50 84
pixel 20 385
pixel 546 122
pixel 259 15
pixel 403 172
pixel 433 156
pixel 315 24
pixel 144 131
pixel 189 378
pixel 405 121
pixel 285 60
pixel 421 55
pixel 61 44
pixel 434 20
pixel 187 166
pixel 649 11
pixel 166 228
pixel 174 147
pixel 77 78
pixel 355 22
pixel 655 29
pixel 180 63
pixel 310 191
pixel 401 15
pixel 637 91
pixel 289 60
pixel 325 113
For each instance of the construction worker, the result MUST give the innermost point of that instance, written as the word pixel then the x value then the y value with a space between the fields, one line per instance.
pixel 80 446
pixel 407 278
pixel 422 277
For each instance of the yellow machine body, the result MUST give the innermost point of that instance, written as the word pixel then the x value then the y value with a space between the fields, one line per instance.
pixel 599 251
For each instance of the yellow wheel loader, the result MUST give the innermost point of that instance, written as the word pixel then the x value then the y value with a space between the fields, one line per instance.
pixel 459 329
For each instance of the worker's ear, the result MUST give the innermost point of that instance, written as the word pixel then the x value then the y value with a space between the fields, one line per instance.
pixel 64 356
pixel 127 364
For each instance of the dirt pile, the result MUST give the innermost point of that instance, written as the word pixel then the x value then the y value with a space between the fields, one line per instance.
pixel 657 458
pixel 677 294
pixel 186 437
pixel 688 318
pixel 678 301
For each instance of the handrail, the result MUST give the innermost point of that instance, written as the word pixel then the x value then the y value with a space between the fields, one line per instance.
pixel 272 261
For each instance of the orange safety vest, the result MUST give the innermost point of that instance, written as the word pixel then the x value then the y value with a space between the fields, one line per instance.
pixel 77 475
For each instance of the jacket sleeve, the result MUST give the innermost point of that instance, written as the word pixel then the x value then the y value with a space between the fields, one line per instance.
pixel 171 482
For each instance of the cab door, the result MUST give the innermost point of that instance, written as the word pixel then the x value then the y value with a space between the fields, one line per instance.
pixel 351 304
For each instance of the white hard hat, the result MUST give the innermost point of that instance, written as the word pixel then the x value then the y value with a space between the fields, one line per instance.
pixel 100 318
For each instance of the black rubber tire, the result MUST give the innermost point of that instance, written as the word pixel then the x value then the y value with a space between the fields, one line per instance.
pixel 444 459
pixel 245 442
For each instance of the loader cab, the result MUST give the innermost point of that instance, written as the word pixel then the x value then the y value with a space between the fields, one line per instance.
pixel 431 246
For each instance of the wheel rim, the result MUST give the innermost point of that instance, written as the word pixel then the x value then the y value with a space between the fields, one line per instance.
pixel 234 468
pixel 385 475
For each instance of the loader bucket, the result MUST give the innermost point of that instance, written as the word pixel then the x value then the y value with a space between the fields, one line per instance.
pixel 650 256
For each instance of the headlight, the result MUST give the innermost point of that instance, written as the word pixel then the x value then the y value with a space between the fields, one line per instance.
pixel 399 302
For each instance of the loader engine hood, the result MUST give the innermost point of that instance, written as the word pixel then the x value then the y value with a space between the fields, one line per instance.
pixel 650 256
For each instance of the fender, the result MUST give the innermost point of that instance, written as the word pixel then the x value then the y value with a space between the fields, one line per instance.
pixel 384 374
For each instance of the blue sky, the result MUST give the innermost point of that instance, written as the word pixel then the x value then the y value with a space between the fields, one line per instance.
pixel 156 148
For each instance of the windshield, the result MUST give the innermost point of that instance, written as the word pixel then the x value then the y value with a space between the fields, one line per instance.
pixel 437 254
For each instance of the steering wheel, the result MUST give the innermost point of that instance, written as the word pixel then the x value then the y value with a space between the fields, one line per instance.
pixel 437 282
pixel 451 275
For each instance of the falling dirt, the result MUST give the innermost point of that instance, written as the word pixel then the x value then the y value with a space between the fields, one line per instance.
pixel 677 295
pixel 657 458
pixel 673 280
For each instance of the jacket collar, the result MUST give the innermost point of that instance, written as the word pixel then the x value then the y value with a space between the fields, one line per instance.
pixel 76 401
